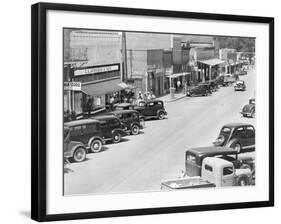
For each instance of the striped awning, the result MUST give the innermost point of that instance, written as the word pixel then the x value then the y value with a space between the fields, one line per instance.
pixel 104 87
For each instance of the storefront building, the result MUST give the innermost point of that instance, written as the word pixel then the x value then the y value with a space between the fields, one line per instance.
pixel 145 61
pixel 92 73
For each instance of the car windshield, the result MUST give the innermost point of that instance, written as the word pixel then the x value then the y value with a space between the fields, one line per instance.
pixel 119 108
pixel 240 82
pixel 190 157
pixel 225 130
pixel 65 133
pixel 252 101
pixel 141 104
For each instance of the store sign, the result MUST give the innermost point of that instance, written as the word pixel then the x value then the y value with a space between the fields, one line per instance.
pixel 95 70
pixel 74 86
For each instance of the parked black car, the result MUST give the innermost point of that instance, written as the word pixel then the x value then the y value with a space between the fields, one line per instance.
pixel 213 85
pixel 238 136
pixel 151 109
pixel 249 110
pixel 131 119
pixel 111 128
pixel 203 89
pixel 87 131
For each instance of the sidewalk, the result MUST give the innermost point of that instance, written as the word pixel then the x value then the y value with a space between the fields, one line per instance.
pixel 167 98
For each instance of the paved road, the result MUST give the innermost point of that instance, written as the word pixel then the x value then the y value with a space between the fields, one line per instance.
pixel 139 163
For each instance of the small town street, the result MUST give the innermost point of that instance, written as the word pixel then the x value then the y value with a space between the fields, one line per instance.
pixel 140 163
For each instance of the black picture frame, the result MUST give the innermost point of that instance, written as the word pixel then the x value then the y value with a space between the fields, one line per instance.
pixel 39 114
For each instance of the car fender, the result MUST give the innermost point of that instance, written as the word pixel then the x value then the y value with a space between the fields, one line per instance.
pixel 232 142
pixel 135 123
pixel 95 137
pixel 161 110
pixel 75 146
pixel 120 131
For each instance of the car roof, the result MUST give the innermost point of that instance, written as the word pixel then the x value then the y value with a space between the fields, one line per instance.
pixel 80 122
pixel 124 105
pixel 123 111
pixel 150 101
pixel 217 162
pixel 104 117
pixel 233 125
pixel 212 150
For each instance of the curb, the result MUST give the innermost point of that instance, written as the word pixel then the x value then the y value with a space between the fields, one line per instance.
pixel 175 99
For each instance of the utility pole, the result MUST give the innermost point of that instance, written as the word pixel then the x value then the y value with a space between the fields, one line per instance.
pixel 124 57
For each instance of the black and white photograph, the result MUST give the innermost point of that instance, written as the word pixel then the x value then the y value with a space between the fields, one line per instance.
pixel 150 112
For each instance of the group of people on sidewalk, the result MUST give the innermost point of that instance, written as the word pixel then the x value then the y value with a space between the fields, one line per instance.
pixel 145 96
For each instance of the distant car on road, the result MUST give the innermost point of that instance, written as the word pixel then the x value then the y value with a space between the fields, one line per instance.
pixel 240 85
pixel 203 89
pixel 238 136
pixel 87 131
pixel 131 119
pixel 249 110
pixel 111 128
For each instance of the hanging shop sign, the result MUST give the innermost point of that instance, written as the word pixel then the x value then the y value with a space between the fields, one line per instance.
pixel 95 70
pixel 74 86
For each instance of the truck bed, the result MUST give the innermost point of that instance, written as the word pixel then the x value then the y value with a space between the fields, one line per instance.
pixel 185 183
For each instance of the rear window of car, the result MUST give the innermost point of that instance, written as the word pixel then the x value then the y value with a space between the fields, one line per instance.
pixel 240 82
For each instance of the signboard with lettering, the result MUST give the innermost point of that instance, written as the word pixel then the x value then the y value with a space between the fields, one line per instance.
pixel 95 70
pixel 74 86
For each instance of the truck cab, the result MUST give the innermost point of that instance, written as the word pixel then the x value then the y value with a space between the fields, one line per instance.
pixel 222 173
pixel 215 172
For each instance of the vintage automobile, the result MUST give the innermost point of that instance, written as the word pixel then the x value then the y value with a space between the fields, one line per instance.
pixel 240 85
pixel 124 106
pixel 216 172
pixel 151 109
pixel 112 128
pixel 131 119
pixel 203 89
pixel 249 110
pixel 213 85
pixel 87 131
pixel 195 156
pixel 227 79
pixel 238 136
pixel 73 150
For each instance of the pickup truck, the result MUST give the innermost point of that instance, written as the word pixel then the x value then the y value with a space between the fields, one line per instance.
pixel 215 172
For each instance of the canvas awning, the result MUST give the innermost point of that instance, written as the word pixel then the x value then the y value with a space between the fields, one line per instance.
pixel 102 88
pixel 211 62
pixel 176 75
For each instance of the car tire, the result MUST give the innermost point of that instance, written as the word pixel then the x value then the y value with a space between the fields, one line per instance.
pixel 96 146
pixel 237 146
pixel 116 137
pixel 135 130
pixel 244 115
pixel 243 181
pixel 161 115
pixel 79 155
